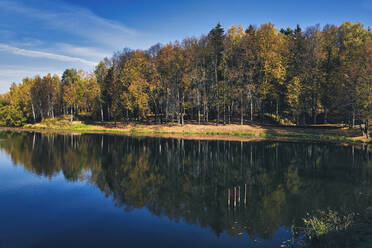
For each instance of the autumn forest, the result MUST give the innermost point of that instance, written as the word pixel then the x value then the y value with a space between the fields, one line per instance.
pixel 238 75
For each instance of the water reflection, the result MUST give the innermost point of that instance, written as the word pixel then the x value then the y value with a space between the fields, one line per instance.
pixel 237 188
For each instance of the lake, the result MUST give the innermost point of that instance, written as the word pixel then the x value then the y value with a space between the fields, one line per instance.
pixel 94 190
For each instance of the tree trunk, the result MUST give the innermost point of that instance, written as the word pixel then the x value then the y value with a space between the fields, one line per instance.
pixel 207 115
pixel 167 107
pixel 277 109
pixel 204 114
pixel 251 109
pixel 33 112
pixel 241 110
pixel 326 116
pixel 241 115
pixel 216 82
pixel 199 115
pixel 178 108
pixel 229 114
pixel 101 111
pixel 182 110
pixel 304 117
pixel 224 114
pixel 366 129
pixel 41 113
pixel 218 115
pixel 297 119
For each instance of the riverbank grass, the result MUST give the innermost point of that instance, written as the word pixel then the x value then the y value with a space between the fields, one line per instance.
pixel 236 132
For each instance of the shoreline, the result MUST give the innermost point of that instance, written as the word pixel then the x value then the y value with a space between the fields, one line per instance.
pixel 231 132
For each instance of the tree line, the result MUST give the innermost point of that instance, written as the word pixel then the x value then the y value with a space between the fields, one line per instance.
pixel 258 74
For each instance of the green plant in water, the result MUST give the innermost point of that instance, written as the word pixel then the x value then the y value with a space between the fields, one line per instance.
pixel 327 222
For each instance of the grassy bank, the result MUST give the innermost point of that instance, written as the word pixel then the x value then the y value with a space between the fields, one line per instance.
pixel 329 133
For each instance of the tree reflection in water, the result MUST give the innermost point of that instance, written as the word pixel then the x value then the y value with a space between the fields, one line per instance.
pixel 232 187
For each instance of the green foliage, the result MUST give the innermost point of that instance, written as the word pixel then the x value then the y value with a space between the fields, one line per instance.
pixel 11 116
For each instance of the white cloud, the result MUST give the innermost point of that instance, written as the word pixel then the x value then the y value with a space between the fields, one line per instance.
pixel 40 37
pixel 80 22
pixel 40 54
pixel 85 52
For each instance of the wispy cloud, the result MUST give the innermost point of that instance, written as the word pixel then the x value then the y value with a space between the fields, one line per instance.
pixel 78 21
pixel 40 54
pixel 81 51
pixel 16 71
pixel 40 37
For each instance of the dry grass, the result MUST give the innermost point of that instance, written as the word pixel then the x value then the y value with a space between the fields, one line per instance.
pixel 333 133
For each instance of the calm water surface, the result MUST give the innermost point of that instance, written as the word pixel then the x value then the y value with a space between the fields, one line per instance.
pixel 117 191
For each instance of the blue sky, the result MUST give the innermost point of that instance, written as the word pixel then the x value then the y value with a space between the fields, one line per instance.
pixel 38 37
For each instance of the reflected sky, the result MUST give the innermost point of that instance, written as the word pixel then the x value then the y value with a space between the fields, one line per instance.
pixel 58 213
pixel 111 191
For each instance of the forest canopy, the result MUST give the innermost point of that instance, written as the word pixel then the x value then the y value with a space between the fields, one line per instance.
pixel 257 74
